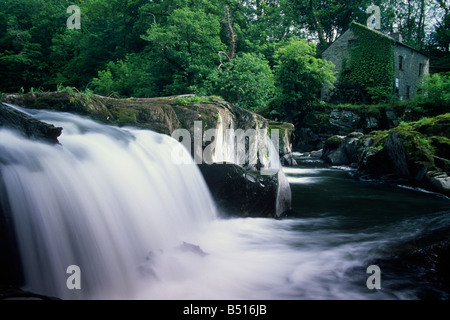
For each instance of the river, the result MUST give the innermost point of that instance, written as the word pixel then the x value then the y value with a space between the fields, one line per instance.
pixel 109 201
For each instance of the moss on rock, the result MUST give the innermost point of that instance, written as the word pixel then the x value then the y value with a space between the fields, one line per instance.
pixel 426 148
pixel 334 142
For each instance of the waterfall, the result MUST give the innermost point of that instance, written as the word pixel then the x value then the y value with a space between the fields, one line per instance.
pixel 111 202
pixel 104 200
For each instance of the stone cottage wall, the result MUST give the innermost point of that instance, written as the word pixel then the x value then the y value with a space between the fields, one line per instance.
pixel 407 63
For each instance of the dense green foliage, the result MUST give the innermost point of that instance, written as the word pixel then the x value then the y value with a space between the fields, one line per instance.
pixel 300 76
pixel 247 81
pixel 238 49
pixel 435 90
pixel 371 63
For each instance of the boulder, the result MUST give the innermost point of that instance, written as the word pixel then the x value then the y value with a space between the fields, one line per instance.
pixel 342 151
pixel 316 153
pixel 238 192
pixel 397 155
pixel 439 181
pixel 344 119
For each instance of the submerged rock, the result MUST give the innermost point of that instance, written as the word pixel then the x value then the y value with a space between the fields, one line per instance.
pixel 189 247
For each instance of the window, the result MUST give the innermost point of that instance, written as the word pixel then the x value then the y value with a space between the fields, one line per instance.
pixel 400 63
pixel 420 69
pixel 397 85
pixel 408 91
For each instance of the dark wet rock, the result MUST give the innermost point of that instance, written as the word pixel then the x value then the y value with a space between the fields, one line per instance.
pixel 344 119
pixel 288 160
pixel 341 151
pixel 10 262
pixel 27 125
pixel 241 193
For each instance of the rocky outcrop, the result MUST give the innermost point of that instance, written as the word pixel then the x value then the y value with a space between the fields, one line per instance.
pixel 317 125
pixel 415 153
pixel 242 193
pixel 214 130
pixel 29 126
pixel 167 114
pixel 286 133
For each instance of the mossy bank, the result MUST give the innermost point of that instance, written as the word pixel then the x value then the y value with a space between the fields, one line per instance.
pixel 416 153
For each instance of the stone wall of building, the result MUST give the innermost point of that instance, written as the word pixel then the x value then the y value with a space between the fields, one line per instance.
pixel 409 66
pixel 336 53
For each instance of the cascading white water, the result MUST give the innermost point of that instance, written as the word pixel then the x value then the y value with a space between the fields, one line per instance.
pixel 104 200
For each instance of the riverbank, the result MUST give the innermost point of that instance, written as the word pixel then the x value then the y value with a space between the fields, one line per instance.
pixel 414 153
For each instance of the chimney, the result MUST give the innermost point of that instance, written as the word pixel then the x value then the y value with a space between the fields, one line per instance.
pixel 397 36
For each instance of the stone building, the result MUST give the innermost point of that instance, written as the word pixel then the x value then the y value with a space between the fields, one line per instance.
pixel 409 64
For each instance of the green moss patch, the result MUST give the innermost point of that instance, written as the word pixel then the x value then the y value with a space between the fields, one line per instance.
pixel 334 142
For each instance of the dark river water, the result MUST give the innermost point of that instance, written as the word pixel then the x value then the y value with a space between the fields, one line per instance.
pixel 377 223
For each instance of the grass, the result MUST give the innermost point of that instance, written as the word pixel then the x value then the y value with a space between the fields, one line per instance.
pixel 193 100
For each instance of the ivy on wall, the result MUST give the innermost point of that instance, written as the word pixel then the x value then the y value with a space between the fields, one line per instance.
pixel 371 63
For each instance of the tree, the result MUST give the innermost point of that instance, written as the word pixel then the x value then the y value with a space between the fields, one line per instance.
pixel 300 76
pixel 188 45
pixel 26 30
pixel 246 81
pixel 110 30
pixel 409 18
pixel 438 45
pixel 435 92
pixel 326 20
pixel 132 77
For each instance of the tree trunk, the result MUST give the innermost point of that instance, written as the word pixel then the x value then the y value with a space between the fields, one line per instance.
pixel 232 47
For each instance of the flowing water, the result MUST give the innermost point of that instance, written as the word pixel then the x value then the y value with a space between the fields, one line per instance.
pixel 111 202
